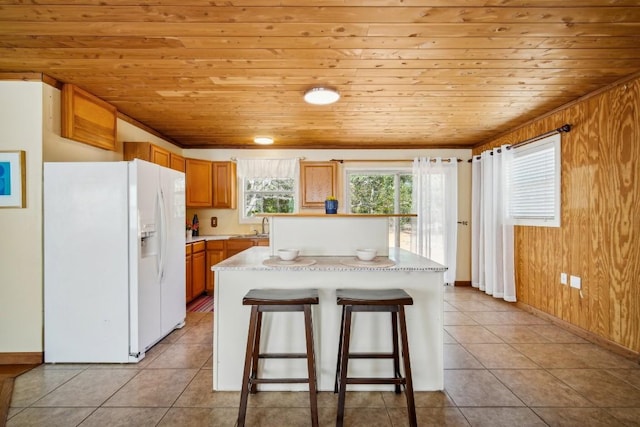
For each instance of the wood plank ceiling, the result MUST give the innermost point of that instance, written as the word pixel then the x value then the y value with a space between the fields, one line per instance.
pixel 411 73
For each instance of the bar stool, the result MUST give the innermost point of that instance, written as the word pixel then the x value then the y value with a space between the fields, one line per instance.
pixel 277 300
pixel 378 300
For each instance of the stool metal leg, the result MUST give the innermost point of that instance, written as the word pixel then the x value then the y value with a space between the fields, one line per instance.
pixel 244 392
pixel 411 406
pixel 396 350
pixel 344 360
pixel 311 366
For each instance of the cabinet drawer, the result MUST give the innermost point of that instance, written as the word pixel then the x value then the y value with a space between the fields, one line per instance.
pixel 188 249
pixel 198 246
pixel 215 244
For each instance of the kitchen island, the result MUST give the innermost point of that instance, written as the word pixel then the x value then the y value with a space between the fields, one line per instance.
pixel 284 332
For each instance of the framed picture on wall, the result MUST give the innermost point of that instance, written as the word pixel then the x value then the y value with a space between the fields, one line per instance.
pixel 12 179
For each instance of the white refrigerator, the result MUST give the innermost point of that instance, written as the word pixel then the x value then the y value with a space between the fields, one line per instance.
pixel 114 259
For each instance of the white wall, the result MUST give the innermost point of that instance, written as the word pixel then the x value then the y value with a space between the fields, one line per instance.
pixel 21 229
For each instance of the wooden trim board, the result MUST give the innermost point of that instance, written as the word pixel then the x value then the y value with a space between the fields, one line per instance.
pixel 21 358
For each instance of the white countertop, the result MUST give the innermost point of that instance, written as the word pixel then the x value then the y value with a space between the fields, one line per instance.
pixel 253 258
pixel 214 237
pixel 225 237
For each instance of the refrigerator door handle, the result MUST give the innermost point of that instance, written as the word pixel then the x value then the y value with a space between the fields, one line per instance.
pixel 163 234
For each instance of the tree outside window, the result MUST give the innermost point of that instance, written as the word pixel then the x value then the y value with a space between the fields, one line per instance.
pixel 383 192
pixel 268 195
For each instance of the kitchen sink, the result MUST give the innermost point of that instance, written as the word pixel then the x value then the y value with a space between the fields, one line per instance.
pixel 250 236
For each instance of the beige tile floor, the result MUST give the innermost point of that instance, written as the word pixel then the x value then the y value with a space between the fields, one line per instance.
pixel 503 367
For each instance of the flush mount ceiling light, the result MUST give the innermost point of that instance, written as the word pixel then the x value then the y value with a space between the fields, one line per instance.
pixel 321 96
pixel 263 140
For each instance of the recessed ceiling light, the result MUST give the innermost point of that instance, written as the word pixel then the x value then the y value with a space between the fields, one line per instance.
pixel 321 96
pixel 263 140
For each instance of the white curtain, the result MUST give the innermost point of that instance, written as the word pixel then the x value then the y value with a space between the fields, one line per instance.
pixel 492 263
pixel 268 168
pixel 435 200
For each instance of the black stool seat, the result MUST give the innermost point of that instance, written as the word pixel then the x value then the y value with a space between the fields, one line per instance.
pixel 277 300
pixel 374 300
pixel 373 297
pixel 280 297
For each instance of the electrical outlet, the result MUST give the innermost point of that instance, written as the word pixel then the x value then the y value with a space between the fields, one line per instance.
pixel 563 278
pixel 576 282
pixel 214 221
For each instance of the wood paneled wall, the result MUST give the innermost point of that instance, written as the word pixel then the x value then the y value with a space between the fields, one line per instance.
pixel 599 239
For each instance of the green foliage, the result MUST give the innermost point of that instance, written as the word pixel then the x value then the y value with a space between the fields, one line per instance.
pixel 266 195
pixel 375 193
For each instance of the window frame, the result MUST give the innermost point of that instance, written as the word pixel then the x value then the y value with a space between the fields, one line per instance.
pixel 243 219
pixel 553 142
pixel 373 170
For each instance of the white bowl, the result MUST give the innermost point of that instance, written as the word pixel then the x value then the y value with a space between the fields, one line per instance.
pixel 288 254
pixel 366 254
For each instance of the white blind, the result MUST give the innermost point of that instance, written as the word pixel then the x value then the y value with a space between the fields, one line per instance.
pixel 534 181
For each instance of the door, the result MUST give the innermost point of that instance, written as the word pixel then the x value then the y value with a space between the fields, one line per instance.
pixel 145 254
pixel 172 282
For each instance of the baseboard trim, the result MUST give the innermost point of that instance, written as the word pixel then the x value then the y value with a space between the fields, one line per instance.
pixel 462 283
pixel 583 333
pixel 34 358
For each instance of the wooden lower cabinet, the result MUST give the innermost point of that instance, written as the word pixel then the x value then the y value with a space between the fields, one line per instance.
pixel 202 255
pixel 215 254
pixel 195 279
pixel 198 264
pixel 235 246
pixel 188 277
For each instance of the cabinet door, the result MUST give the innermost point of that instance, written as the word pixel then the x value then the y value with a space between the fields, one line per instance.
pixel 147 151
pixel 215 254
pixel 177 162
pixel 235 246
pixel 318 181
pixel 159 156
pixel 198 272
pixel 198 177
pixel 224 185
pixel 188 276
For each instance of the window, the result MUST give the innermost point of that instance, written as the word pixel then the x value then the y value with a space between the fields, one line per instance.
pixel 534 183
pixel 267 195
pixel 383 192
pixel 267 186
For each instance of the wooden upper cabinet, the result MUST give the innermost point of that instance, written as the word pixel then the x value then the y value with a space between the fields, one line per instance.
pixel 318 180
pixel 154 154
pixel 87 118
pixel 176 162
pixel 199 182
pixel 224 185
pixel 160 156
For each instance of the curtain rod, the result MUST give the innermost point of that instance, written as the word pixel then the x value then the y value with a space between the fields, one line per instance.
pixel 562 129
pixel 381 160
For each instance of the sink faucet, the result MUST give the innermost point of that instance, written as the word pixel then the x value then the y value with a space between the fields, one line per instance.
pixel 265 220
